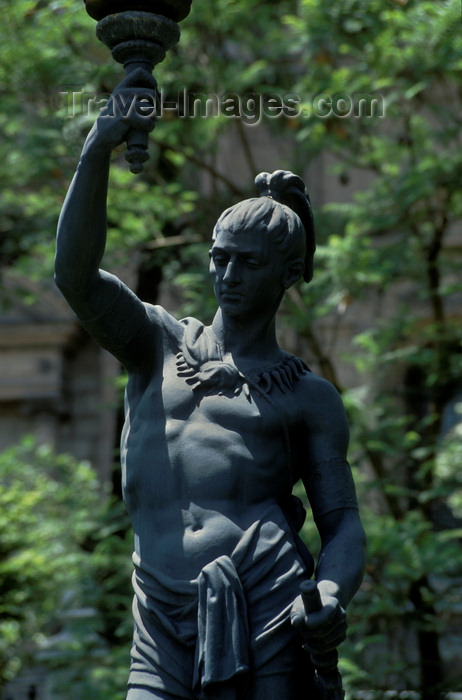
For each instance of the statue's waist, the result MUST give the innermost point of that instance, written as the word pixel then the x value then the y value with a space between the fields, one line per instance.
pixel 167 571
pixel 179 542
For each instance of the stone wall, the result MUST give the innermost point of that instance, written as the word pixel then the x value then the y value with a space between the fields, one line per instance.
pixel 55 382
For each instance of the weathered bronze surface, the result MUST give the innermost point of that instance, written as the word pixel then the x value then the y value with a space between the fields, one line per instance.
pixel 220 424
pixel 139 33
pixel 173 9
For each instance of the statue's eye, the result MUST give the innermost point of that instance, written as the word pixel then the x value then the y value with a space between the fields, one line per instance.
pixel 220 259
pixel 252 262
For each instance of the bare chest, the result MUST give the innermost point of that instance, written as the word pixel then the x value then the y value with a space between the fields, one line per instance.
pixel 209 443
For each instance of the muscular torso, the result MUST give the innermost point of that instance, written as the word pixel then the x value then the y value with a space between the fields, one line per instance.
pixel 199 468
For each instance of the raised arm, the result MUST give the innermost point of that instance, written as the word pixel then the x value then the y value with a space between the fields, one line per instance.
pixel 82 226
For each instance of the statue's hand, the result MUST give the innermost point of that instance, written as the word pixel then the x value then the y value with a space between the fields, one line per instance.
pixel 323 630
pixel 130 108
pixel 223 376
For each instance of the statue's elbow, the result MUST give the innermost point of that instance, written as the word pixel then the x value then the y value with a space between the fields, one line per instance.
pixel 66 285
pixel 60 280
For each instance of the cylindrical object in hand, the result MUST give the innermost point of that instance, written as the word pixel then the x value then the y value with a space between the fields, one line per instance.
pixel 328 679
pixel 138 32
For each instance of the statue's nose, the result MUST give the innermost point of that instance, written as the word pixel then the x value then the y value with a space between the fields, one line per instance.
pixel 231 275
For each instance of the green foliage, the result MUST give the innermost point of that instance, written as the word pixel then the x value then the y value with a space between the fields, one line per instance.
pixel 392 245
pixel 64 574
pixel 93 659
pixel 46 512
pixel 404 557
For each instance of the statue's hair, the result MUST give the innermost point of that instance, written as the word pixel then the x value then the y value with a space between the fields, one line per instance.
pixel 282 210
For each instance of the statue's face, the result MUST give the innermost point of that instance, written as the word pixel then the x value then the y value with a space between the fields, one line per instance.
pixel 247 273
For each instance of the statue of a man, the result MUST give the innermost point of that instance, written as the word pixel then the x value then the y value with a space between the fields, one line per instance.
pixel 220 424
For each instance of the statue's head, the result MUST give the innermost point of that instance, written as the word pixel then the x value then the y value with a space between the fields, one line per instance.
pixel 281 214
pixel 262 246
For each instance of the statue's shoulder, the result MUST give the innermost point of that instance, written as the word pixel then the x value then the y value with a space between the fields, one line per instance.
pixel 318 396
pixel 159 337
pixel 314 382
pixel 157 314
pixel 165 321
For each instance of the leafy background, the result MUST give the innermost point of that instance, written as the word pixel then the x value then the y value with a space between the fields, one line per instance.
pixel 388 251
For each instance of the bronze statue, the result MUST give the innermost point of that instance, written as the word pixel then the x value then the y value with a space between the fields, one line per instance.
pixel 220 424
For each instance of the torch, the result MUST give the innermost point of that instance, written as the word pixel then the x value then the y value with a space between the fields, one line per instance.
pixel 138 33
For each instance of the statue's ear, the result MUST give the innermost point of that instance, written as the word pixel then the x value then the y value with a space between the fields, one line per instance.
pixel 293 272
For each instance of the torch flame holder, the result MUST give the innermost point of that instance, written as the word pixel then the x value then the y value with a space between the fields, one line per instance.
pixel 137 40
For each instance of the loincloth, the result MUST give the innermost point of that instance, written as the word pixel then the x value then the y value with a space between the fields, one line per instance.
pixel 233 619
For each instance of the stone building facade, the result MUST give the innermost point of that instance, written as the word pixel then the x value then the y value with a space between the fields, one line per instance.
pixel 55 383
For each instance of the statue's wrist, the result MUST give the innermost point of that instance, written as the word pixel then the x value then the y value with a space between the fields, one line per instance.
pixel 94 154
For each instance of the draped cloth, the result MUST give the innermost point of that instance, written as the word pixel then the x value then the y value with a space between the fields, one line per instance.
pixel 232 619
pixel 222 626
